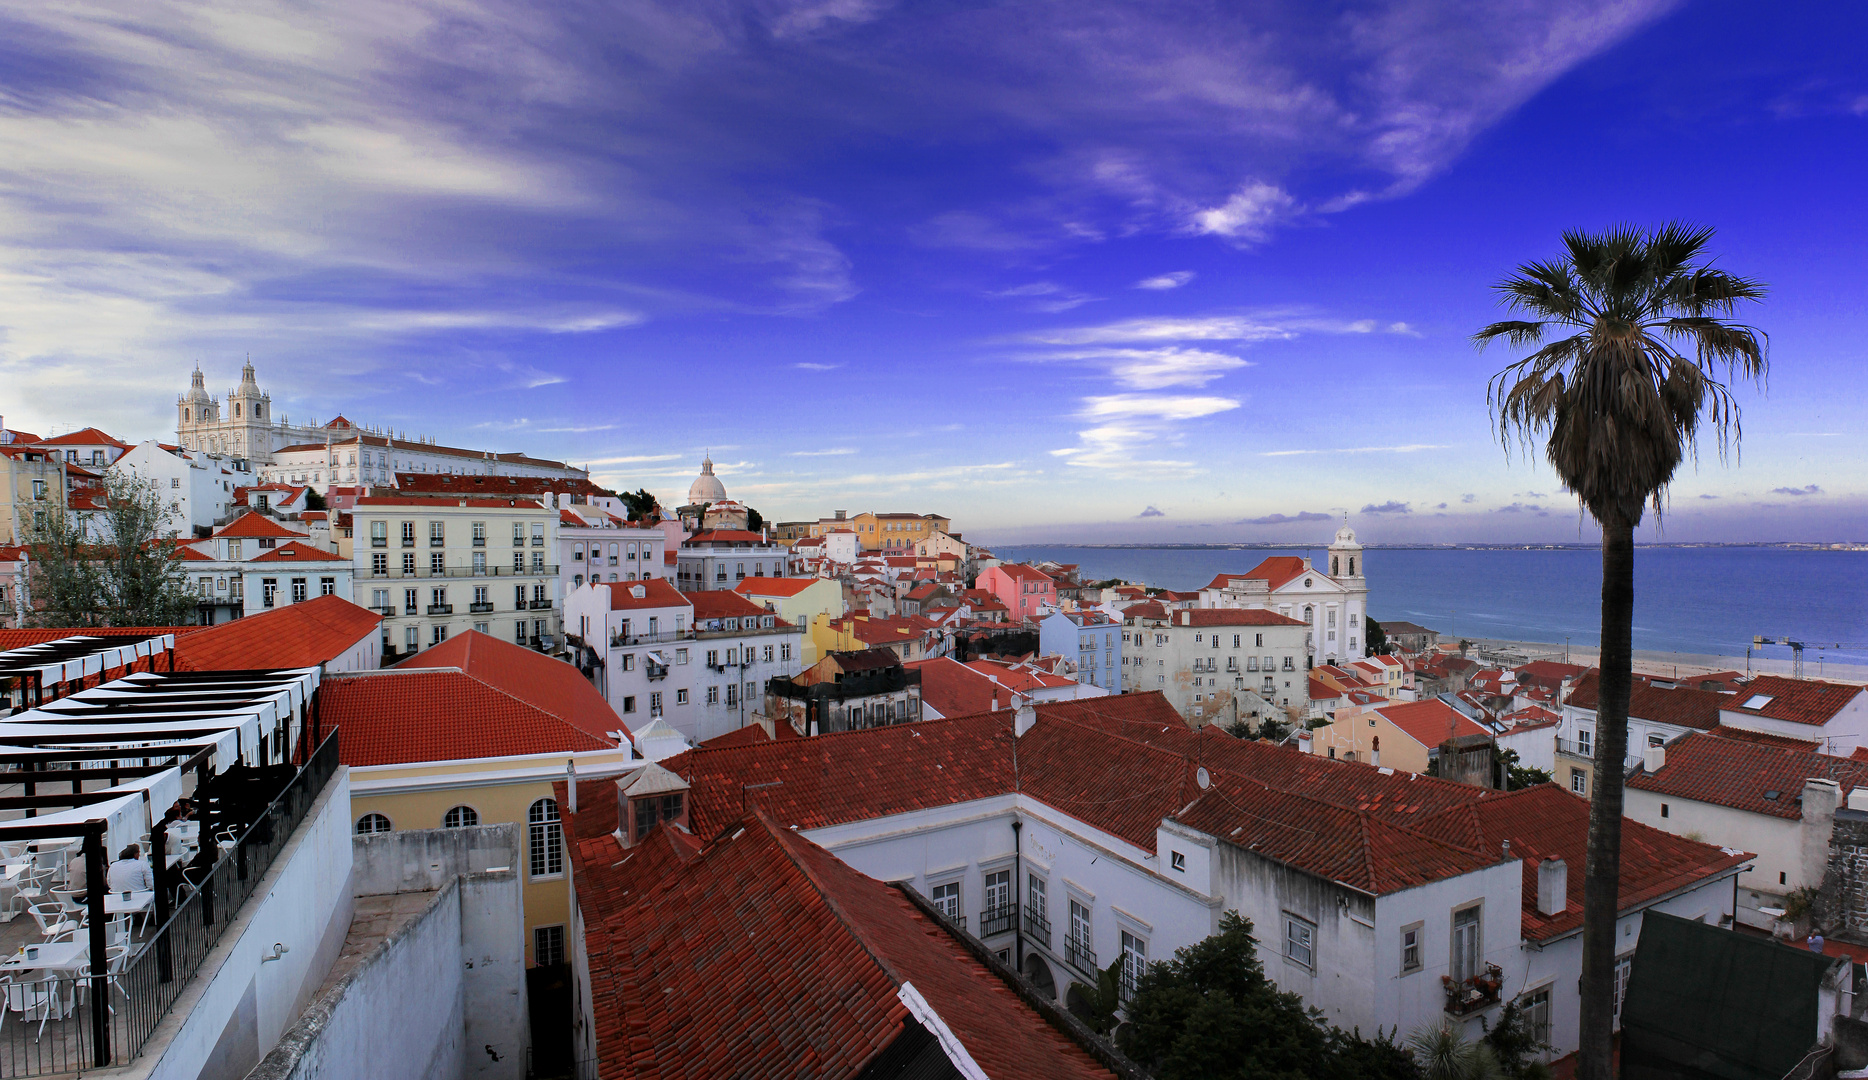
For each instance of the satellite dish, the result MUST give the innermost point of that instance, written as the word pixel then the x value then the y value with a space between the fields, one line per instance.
pixel 1204 779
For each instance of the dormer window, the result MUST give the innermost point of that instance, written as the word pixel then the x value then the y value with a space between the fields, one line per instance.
pixel 656 809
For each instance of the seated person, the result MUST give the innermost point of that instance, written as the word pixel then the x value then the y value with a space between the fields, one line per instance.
pixel 74 880
pixel 131 872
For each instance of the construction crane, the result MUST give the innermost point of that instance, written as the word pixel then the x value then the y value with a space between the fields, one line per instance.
pixel 1797 647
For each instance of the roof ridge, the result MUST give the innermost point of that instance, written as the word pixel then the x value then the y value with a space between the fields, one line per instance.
pixel 779 837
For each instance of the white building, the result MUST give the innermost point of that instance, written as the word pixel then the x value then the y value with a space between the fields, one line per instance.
pixel 596 545
pixel 433 567
pixel 1833 715
pixel 255 564
pixel 1334 604
pixel 698 661
pixel 200 485
pixel 1217 665
pixel 722 558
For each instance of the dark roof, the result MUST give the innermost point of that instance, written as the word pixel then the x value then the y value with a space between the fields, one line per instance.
pixel 1681 707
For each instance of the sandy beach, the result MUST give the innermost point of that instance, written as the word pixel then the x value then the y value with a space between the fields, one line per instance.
pixel 1668 663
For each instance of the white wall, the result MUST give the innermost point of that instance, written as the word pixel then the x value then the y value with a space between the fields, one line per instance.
pixel 1537 748
pixel 236 1007
pixel 1777 842
pixel 1846 730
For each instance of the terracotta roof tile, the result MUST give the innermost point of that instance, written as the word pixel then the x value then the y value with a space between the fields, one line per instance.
pixel 296 635
pixel 1743 775
pixel 256 524
pixel 1799 701
pixel 1681 707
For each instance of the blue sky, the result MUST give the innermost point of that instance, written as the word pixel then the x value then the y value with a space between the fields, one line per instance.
pixel 1069 270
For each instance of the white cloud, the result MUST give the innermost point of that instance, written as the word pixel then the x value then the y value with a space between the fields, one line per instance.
pixel 1411 448
pixel 839 451
pixel 1248 215
pixel 1045 296
pixel 810 366
pixel 1166 281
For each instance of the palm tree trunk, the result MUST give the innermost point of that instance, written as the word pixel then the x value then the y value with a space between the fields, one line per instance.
pixel 1602 875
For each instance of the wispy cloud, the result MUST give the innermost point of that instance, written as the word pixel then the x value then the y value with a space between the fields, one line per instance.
pixel 1150 512
pixel 839 451
pixel 1389 507
pixel 1166 281
pixel 1284 519
pixel 1045 296
pixel 1125 427
pixel 1408 448
pixel 1811 489
pixel 809 365
pixel 1522 508
pixel 1468 498
pixel 634 459
pixel 576 430
pixel 1247 215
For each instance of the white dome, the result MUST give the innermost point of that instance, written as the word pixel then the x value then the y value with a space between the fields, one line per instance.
pixel 1344 536
pixel 706 487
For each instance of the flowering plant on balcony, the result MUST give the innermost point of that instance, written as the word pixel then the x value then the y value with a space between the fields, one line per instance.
pixel 1474 992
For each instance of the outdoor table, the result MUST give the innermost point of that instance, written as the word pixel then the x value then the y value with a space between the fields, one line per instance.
pixel 53 956
pixel 139 902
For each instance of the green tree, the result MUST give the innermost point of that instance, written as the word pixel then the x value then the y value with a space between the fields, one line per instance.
pixel 1375 636
pixel 640 504
pixel 1633 346
pixel 128 572
pixel 754 519
pixel 1443 1054
pixel 1097 1007
pixel 315 501
pixel 1210 1012
pixel 1520 776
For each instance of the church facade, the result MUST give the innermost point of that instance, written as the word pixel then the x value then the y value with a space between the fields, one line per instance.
pixel 1331 600
pixel 319 456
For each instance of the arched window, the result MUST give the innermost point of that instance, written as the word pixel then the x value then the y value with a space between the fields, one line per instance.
pixel 460 817
pixel 370 824
pixel 1309 615
pixel 544 838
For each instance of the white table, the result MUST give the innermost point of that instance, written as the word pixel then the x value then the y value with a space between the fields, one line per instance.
pixel 55 956
pixel 139 902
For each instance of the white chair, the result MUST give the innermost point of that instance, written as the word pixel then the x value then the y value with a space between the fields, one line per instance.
pixel 52 922
pixel 116 958
pixel 35 885
pixel 27 998
pixel 68 904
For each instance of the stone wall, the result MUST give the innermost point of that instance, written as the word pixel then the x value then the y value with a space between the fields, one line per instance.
pixel 1842 904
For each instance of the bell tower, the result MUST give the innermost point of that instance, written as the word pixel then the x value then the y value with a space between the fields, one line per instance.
pixel 1346 554
pixel 250 409
pixel 194 411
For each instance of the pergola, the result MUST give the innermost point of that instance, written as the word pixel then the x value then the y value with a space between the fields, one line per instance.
pixel 69 662
pixel 240 734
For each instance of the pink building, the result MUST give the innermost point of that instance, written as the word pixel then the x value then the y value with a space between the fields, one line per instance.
pixel 1023 590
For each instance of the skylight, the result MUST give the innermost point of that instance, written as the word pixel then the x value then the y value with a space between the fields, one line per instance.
pixel 1756 701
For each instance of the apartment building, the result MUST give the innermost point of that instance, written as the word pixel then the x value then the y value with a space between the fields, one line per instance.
pixel 1089 639
pixel 254 564
pixel 1217 665
pixel 199 486
pixel 433 568
pixel 595 545
pixel 697 661
pixel 722 558
pixel 891 533
pixel 32 483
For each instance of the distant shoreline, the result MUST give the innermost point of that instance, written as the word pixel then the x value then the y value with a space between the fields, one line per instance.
pixel 1658 662
pixel 1843 546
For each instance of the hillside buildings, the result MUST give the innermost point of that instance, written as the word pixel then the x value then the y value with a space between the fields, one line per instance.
pixel 1332 604
pixel 1091 641
pixel 1217 665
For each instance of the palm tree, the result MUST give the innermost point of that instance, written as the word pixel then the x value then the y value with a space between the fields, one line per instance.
pixel 1632 334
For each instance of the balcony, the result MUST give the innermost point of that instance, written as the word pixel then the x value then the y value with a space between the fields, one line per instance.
pixel 542 605
pixel 1037 927
pixel 618 640
pixel 379 541
pixel 1576 749
pixel 480 607
pixel 999 920
pixel 1079 955
pixel 437 541
pixel 479 541
pixel 440 609
pixel 654 670
pixel 550 570
pixel 1463 998
pixel 387 611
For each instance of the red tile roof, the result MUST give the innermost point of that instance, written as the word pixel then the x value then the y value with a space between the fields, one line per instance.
pixel 954 689
pixel 256 524
pixel 722 604
pixel 296 635
pixel 1724 731
pixel 1547 822
pixel 22 637
pixel 543 682
pixel 775 586
pixel 396 717
pixel 1430 722
pixel 414 502
pixel 1799 701
pixel 1741 774
pixel 1681 707
pixel 1021 572
pixel 701 971
pixel 298 552
pixel 89 436
pixel 725 536
pixel 1233 617
pixel 1275 572
pixel 656 593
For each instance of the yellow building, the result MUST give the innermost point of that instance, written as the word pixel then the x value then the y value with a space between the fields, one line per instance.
pixel 940 542
pixel 890 533
pixel 32 484
pixel 474 732
pixel 805 602
pixel 1405 736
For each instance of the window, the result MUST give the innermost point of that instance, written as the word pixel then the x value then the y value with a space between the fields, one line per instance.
pixel 327 586
pixel 538 535
pixel 437 533
pixel 379 534
pixel 654 810
pixel 409 602
pixel 1134 961
pixel 629 704
pixel 408 564
pixel 681 656
pixel 1622 967
pixel 713 695
pixel 947 899
pixel 412 638
pixel 1468 943
pixel 681 696
pixel 655 702
pixel 299 591
pixel 408 534
pixel 998 890
pixel 1410 948
pixel 1300 940
pixel 1177 861
pixel 518 534
pixel 1535 1008
pixel 1080 925
pixel 1656 740
pixel 370 824
pixel 1663 809
pixel 379 564
pixel 544 838
pixel 437 564
pixel 1579 781
pixel 1584 737
pixel 1035 897
pixel 768 654
pixel 732 695
pixel 547 945
pixel 460 817
pixel 479 534
pixel 269 591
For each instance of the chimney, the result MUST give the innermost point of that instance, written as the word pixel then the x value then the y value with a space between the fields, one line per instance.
pixel 1553 887
pixel 570 783
pixel 1858 798
pixel 1654 758
pixel 1023 719
pixel 1820 798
